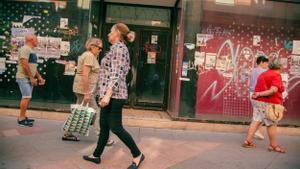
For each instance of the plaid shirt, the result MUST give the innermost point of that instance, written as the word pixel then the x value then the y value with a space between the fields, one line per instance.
pixel 113 70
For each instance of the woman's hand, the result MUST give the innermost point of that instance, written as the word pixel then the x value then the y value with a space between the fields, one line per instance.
pixel 87 98
pixel 41 81
pixel 104 101
pixel 255 95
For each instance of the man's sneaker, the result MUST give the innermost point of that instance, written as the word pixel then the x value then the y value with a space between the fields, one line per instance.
pixel 24 123
pixel 30 120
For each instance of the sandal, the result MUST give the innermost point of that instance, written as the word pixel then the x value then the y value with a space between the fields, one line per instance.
pixel 277 149
pixel 248 144
pixel 69 138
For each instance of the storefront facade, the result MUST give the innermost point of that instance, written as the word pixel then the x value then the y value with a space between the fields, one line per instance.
pixel 220 41
pixel 191 58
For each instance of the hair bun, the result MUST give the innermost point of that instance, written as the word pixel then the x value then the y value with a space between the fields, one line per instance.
pixel 130 36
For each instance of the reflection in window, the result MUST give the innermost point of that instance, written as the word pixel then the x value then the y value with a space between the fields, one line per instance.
pixel 138 15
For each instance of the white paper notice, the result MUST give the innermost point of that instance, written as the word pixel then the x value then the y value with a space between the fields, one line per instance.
pixel 154 39
pixel 256 40
pixel 210 60
pixel 295 65
pixel 2 65
pixel 70 68
pixel 64 23
pixel 199 58
pixel 296 47
pixel 64 48
pixel 203 38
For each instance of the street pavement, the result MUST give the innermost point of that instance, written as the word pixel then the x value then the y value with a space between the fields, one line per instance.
pixel 41 147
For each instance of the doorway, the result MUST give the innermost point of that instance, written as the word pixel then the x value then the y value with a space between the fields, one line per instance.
pixel 149 73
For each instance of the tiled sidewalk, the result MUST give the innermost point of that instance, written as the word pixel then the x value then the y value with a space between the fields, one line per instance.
pixel 41 147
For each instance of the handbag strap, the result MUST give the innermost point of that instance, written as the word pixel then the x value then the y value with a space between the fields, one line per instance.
pixel 276 114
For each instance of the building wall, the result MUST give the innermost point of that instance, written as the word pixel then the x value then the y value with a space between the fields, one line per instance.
pixel 227 38
pixel 224 89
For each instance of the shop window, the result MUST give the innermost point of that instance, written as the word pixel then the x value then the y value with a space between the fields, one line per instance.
pixel 227 40
pixel 138 15
pixel 62 29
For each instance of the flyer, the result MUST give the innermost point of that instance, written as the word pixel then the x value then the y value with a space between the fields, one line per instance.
pixel 70 67
pixel 210 60
pixel 154 39
pixel 16 44
pixel 2 65
pixel 41 49
pixel 295 65
pixel 284 62
pixel 53 47
pixel 64 48
pixel 296 47
pixel 199 58
pixel 203 38
pixel 285 79
pixel 256 40
pixel 63 23
pixel 151 57
pixel 21 32
pixel 185 67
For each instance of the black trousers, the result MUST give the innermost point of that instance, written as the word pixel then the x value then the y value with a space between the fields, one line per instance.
pixel 111 119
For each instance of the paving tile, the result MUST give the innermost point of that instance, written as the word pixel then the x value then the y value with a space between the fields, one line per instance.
pixel 10 133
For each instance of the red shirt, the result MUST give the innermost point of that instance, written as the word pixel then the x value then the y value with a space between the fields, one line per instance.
pixel 265 81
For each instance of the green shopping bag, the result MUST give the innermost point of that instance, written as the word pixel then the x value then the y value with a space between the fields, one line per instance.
pixel 79 119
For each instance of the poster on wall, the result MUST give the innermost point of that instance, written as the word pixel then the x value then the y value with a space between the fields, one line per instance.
pixel 285 79
pixel 185 67
pixel 41 48
pixel 296 47
pixel 256 40
pixel 17 25
pixel 199 58
pixel 284 62
pixel 154 39
pixel 2 65
pixel 210 60
pixel 64 48
pixel 53 47
pixel 48 47
pixel 21 32
pixel 70 67
pixel 221 64
pixel 16 44
pixel 295 65
pixel 63 23
pixel 201 39
pixel 151 57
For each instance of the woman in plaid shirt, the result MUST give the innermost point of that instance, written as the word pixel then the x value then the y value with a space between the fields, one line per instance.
pixel 112 90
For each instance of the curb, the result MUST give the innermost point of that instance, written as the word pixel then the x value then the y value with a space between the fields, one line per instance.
pixel 129 119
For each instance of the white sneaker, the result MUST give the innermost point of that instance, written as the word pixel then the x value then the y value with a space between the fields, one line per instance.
pixel 258 135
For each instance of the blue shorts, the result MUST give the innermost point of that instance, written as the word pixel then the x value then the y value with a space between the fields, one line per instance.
pixel 25 87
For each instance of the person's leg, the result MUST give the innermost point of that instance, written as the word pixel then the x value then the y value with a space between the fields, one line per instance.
pixel 23 107
pixel 271 129
pixel 104 131
pixel 252 129
pixel 258 117
pixel 257 134
pixel 115 122
pixel 95 106
pixel 272 134
pixel 26 91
